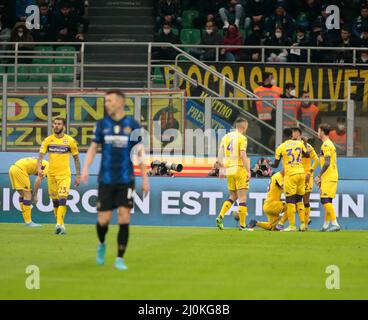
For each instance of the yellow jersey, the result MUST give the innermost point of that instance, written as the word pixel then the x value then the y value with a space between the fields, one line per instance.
pixel 275 188
pixel 291 153
pixel 307 160
pixel 232 144
pixel 59 150
pixel 328 150
pixel 29 165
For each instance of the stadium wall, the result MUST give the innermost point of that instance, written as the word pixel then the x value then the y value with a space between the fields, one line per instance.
pixel 182 201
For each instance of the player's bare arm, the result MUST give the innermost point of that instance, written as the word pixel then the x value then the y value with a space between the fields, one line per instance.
pixel 39 164
pixel 325 167
pixel 275 164
pixel 77 170
pixel 220 160
pixel 245 161
pixel 143 169
pixel 91 153
pixel 36 187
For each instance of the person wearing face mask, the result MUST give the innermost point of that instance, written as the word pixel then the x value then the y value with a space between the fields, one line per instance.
pixel 255 39
pixel 339 137
pixel 21 34
pixel 211 36
pixel 268 90
pixel 165 53
pixel 44 33
pixel 309 113
pixel 300 40
pixel 277 39
pixel 232 37
pixel 169 11
pixel 363 59
pixel 290 107
pixel 280 18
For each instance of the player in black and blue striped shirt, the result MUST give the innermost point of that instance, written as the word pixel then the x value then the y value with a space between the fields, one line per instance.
pixel 117 134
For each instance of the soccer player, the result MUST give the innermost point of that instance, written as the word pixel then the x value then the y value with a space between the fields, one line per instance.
pixel 233 160
pixel 273 206
pixel 291 152
pixel 117 134
pixel 19 174
pixel 59 146
pixel 309 168
pixel 328 178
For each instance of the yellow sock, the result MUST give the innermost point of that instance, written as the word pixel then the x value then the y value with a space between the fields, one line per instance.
pixel 330 212
pixel 301 211
pixel 307 215
pixel 225 208
pixel 27 215
pixel 264 225
pixel 242 211
pixel 55 212
pixel 60 215
pixel 290 210
pixel 283 219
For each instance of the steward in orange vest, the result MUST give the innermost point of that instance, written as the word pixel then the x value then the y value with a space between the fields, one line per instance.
pixel 291 108
pixel 309 113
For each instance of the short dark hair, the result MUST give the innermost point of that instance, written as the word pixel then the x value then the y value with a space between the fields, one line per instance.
pixel 117 92
pixel 325 127
pixel 43 4
pixel 60 119
pixel 266 75
pixel 287 133
pixel 167 23
pixel 289 85
pixel 297 129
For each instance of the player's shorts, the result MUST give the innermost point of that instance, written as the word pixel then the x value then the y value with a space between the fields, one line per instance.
pixel 273 208
pixel 59 186
pixel 309 185
pixel 237 178
pixel 294 185
pixel 19 179
pixel 328 189
pixel 112 196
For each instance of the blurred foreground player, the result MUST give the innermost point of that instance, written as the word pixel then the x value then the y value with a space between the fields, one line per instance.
pixel 19 174
pixel 59 146
pixel 117 134
pixel 328 178
pixel 233 159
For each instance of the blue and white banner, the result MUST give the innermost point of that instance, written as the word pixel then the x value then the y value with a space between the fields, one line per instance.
pixel 184 202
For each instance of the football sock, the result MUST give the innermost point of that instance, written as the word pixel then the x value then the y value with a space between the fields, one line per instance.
pixel 330 212
pixel 283 218
pixel 27 211
pixel 101 232
pixel 56 206
pixel 123 237
pixel 61 212
pixel 290 210
pixel 264 225
pixel 21 204
pixel 226 207
pixel 307 213
pixel 301 211
pixel 242 211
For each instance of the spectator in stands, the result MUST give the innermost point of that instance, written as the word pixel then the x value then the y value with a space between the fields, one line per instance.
pixel 280 19
pixel 300 40
pixel 280 40
pixel 318 39
pixel 232 37
pixel 255 12
pixel 364 37
pixel 346 41
pixel 210 37
pixel 78 7
pixel 310 11
pixel 256 38
pixel 68 26
pixel 169 11
pixel 232 13
pixel 20 9
pixel 331 33
pixel 361 22
pixel 44 34
pixel 363 57
pixel 21 34
pixel 165 53
pixel 309 113
pixel 208 11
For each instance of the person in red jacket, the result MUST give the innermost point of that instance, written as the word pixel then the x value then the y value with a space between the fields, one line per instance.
pixel 232 37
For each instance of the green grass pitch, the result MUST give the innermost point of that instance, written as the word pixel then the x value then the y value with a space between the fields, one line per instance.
pixel 183 263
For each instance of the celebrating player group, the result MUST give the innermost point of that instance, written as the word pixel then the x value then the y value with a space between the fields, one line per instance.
pixel 295 180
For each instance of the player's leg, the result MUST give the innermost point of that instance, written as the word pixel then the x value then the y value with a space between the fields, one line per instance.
pixel 227 203
pixel 328 192
pixel 306 199
pixel 242 208
pixel 27 210
pixel 124 201
pixel 53 194
pixel 63 187
pixel 272 209
pixel 300 191
pixel 290 188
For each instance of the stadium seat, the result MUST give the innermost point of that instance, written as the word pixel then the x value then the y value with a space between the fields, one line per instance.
pixel 36 77
pixel 188 16
pixel 65 55
pixel 190 36
pixel 39 59
pixel 158 78
pixel 22 73
pixel 64 78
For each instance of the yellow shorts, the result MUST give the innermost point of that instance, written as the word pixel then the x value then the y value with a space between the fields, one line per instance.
pixel 328 189
pixel 59 186
pixel 237 178
pixel 19 179
pixel 294 184
pixel 273 208
pixel 309 185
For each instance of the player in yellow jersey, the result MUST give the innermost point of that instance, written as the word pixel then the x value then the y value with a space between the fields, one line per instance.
pixel 235 164
pixel 273 206
pixel 19 174
pixel 328 178
pixel 291 151
pixel 59 146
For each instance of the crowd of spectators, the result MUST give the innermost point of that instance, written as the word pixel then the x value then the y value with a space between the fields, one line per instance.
pixel 60 21
pixel 293 23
